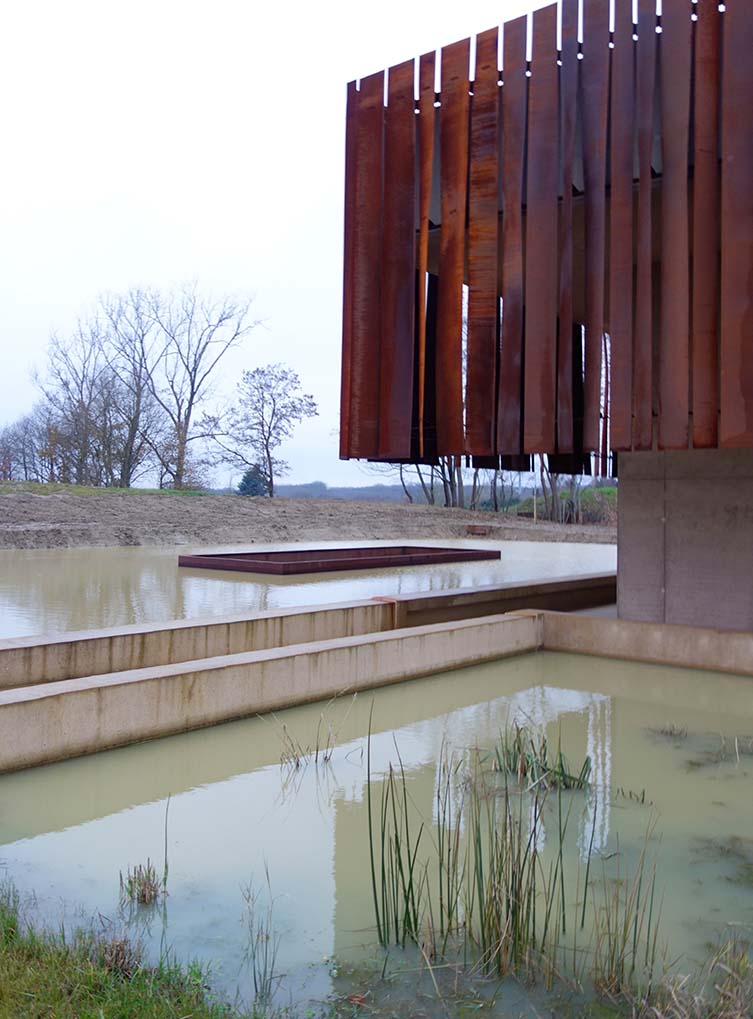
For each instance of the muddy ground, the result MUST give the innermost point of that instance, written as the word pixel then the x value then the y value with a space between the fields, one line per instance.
pixel 65 520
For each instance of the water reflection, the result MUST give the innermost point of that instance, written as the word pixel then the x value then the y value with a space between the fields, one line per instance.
pixel 67 829
pixel 53 591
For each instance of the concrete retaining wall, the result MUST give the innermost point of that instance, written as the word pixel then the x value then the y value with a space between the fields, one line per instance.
pixel 566 594
pixel 690 647
pixel 685 538
pixel 25 661
pixel 54 721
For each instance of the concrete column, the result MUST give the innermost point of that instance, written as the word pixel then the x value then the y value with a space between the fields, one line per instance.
pixel 685 538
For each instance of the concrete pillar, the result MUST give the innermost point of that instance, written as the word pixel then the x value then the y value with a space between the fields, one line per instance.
pixel 685 538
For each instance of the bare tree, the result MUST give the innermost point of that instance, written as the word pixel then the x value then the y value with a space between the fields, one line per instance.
pixel 270 405
pixel 194 333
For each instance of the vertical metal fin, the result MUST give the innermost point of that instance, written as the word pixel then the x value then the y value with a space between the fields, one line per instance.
pixel 622 122
pixel 349 231
pixel 514 103
pixel 425 166
pixel 706 253
pixel 595 94
pixel 453 120
pixel 367 269
pixel 736 355
pixel 643 336
pixel 540 399
pixel 483 221
pixel 398 266
pixel 568 98
pixel 674 333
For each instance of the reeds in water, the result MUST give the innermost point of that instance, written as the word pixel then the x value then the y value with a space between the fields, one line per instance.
pixel 486 880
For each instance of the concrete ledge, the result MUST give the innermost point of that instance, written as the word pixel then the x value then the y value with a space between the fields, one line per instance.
pixel 567 594
pixel 690 647
pixel 25 661
pixel 54 721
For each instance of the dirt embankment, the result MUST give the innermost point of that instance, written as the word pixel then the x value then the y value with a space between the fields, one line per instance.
pixel 66 520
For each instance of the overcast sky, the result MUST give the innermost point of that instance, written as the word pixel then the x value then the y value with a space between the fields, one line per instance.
pixel 156 141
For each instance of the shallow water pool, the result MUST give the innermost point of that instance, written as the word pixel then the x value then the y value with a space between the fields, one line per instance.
pixel 57 590
pixel 671 755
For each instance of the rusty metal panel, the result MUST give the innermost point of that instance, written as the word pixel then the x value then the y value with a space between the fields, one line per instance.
pixel 674 333
pixel 706 225
pixel 643 336
pixel 540 396
pixel 366 273
pixel 425 166
pixel 514 106
pixel 736 353
pixel 594 72
pixel 453 121
pixel 398 266
pixel 483 204
pixel 568 99
pixel 622 124
pixel 349 231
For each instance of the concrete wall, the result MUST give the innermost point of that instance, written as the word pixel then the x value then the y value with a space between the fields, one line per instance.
pixel 25 661
pixel 29 660
pixel 686 646
pixel 560 594
pixel 685 538
pixel 54 721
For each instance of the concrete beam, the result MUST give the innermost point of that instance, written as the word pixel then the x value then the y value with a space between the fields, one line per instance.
pixel 54 721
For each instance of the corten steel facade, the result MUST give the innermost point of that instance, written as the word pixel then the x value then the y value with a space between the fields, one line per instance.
pixel 597 202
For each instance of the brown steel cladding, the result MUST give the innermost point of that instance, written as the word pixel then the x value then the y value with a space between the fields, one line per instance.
pixel 598 194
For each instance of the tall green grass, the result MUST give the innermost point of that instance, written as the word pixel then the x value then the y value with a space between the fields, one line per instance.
pixel 477 884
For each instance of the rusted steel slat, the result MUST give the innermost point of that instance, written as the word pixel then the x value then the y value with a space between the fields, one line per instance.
pixel 425 165
pixel 398 266
pixel 706 226
pixel 514 103
pixel 367 269
pixel 594 90
pixel 483 301
pixel 540 396
pixel 568 97
pixel 736 354
pixel 349 231
pixel 643 336
pixel 453 119
pixel 622 123
pixel 674 332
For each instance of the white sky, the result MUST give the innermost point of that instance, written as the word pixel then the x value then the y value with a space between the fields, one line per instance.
pixel 155 141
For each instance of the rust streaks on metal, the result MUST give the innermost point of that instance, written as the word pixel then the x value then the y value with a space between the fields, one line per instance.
pixel 674 333
pixel 425 178
pixel 643 319
pixel 540 395
pixel 328 560
pixel 622 119
pixel 348 280
pixel 736 351
pixel 366 275
pixel 706 253
pixel 398 267
pixel 568 107
pixel 514 111
pixel 453 134
pixel 594 72
pixel 483 221
pixel 608 185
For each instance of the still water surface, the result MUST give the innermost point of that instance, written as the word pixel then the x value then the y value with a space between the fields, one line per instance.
pixel 58 590
pixel 236 813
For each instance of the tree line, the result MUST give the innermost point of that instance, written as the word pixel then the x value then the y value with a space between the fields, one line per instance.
pixel 125 395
